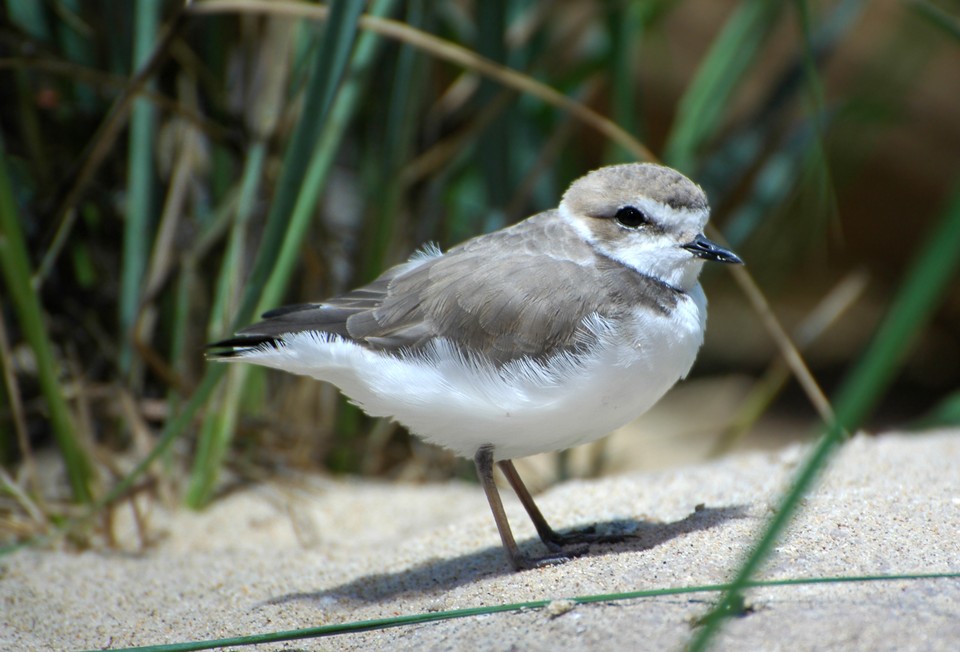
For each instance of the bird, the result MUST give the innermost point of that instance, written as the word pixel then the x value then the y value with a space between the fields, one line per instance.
pixel 537 337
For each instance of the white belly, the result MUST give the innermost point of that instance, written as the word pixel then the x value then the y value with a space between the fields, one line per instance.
pixel 522 408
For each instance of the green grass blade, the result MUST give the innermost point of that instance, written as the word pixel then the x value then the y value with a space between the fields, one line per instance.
pixel 732 597
pixel 28 16
pixel 77 47
pixel 915 301
pixel 938 16
pixel 218 424
pixel 945 413
pixel 16 270
pixel 214 439
pixel 393 150
pixel 923 287
pixel 139 206
pixel 322 87
pixel 799 155
pixel 706 99
pixel 773 183
pixel 357 627
pixel 329 67
pixel 739 152
pixel 343 111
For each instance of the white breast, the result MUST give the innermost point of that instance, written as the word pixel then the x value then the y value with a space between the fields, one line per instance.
pixel 522 408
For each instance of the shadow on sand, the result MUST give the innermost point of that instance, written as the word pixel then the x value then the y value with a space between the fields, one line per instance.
pixel 438 576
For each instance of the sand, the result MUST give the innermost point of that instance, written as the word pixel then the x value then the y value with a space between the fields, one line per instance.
pixel 310 551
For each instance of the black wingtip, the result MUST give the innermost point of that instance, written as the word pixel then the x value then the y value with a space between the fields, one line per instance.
pixel 235 347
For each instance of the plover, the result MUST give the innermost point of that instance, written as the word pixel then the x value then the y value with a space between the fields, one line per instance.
pixel 541 336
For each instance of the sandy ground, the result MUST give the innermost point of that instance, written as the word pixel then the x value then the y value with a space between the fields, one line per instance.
pixel 312 551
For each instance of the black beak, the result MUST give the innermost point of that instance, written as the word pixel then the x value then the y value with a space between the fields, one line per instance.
pixel 701 247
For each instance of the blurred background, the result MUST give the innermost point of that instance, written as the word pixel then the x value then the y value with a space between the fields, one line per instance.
pixel 167 172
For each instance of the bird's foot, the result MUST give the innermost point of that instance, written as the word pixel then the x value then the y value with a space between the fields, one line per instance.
pixel 564 546
pixel 579 538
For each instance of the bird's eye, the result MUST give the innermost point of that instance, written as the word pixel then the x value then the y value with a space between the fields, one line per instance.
pixel 631 217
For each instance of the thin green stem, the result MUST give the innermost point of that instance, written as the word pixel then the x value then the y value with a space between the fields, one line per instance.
pixel 915 301
pixel 139 208
pixel 15 267
pixel 437 616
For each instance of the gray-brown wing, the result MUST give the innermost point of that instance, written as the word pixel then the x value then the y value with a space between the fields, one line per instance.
pixel 499 296
pixel 520 292
pixel 501 309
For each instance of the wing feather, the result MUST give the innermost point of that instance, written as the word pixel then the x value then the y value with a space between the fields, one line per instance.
pixel 502 296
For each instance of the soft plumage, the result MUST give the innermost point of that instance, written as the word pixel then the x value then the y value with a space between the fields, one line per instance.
pixel 537 337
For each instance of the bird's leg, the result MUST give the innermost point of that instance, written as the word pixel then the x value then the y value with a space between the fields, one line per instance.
pixel 484 463
pixel 550 537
